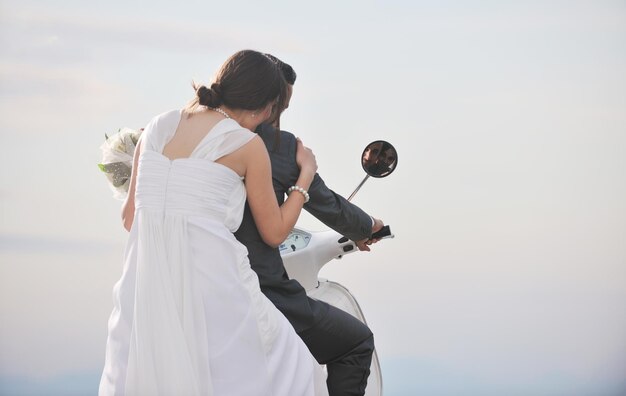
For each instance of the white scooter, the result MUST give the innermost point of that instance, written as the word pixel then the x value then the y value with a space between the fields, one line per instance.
pixel 305 253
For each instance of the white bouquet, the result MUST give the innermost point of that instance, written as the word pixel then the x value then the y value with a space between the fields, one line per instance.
pixel 117 159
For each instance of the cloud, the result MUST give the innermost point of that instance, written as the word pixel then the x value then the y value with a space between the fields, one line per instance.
pixel 23 79
pixel 52 37
pixel 518 17
pixel 59 97
pixel 34 244
pixel 78 65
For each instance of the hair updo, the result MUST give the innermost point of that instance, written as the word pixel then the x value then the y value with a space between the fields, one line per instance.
pixel 248 80
pixel 210 97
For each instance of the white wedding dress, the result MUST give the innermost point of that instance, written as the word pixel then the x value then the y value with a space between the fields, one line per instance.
pixel 189 317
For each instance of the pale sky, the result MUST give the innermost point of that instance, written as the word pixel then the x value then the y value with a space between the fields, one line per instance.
pixel 508 271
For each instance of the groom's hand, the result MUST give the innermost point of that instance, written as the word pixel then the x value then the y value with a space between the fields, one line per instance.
pixel 363 244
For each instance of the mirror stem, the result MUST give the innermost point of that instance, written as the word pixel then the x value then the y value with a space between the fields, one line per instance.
pixel 358 187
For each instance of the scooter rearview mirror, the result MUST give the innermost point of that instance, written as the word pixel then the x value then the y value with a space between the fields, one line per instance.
pixel 379 159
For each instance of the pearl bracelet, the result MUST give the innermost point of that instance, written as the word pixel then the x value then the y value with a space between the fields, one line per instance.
pixel 300 190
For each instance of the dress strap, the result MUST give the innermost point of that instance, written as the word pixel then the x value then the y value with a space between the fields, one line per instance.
pixel 160 130
pixel 226 137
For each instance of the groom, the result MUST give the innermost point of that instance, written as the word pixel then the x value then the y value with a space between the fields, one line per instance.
pixel 335 338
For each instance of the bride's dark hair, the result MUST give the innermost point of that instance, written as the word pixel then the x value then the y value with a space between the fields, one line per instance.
pixel 248 80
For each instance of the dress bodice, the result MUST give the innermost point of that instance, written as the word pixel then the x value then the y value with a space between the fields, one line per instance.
pixel 194 186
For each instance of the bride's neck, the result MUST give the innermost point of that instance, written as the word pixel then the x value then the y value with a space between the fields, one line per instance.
pixel 246 118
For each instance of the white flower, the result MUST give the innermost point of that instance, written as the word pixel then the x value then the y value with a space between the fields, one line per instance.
pixel 117 159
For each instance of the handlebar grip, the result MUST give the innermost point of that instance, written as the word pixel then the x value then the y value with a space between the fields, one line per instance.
pixel 383 232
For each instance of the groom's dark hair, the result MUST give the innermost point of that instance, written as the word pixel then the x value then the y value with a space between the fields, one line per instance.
pixel 285 68
pixel 290 78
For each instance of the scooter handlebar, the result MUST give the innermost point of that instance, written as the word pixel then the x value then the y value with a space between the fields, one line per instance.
pixel 383 232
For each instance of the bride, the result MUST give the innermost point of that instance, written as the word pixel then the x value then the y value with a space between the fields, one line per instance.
pixel 189 317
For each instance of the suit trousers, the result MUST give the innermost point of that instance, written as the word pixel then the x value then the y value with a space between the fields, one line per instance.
pixel 345 345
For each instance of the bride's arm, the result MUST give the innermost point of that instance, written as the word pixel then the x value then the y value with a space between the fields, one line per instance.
pixel 128 208
pixel 273 222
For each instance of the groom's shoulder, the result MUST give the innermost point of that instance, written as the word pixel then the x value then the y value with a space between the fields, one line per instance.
pixel 277 141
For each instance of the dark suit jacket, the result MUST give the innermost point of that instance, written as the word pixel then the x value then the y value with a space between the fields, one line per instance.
pixel 332 209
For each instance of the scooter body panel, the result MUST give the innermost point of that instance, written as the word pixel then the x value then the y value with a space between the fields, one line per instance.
pixel 304 254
